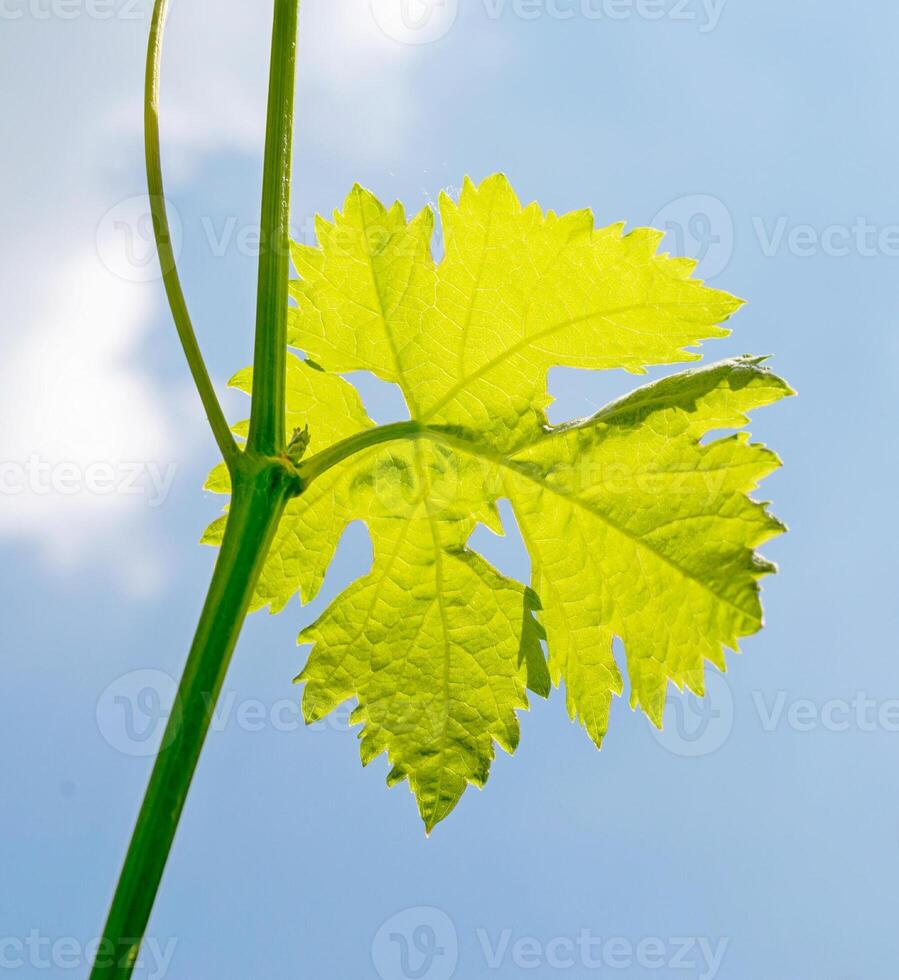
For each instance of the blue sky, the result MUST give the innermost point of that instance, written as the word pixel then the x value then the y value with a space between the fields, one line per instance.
pixel 759 835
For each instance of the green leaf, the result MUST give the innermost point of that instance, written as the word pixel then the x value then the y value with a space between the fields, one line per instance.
pixel 518 292
pixel 638 530
pixel 638 527
pixel 434 643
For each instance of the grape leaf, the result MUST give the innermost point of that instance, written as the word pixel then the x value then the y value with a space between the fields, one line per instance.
pixel 637 526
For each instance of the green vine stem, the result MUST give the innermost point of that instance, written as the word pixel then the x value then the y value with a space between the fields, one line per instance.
pixel 263 480
pixel 269 359
pixel 257 505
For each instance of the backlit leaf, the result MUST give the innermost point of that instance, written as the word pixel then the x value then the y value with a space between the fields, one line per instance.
pixel 638 526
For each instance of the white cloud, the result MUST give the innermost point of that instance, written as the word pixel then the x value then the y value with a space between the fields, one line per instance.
pixel 88 444
pixel 356 82
pixel 355 91
pixel 76 401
